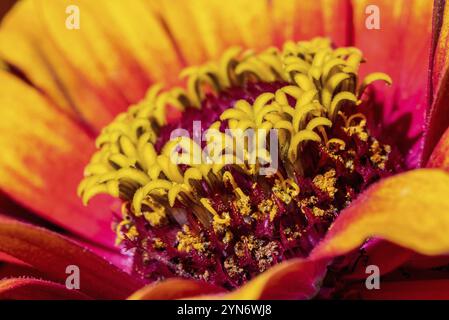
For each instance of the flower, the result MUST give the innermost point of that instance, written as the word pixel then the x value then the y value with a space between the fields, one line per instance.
pixel 357 164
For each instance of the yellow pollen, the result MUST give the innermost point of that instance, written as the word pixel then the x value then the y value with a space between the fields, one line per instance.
pixel 243 204
pixel 317 212
pixel 228 237
pixel 118 231
pixel 279 191
pixel 380 155
pixel 157 216
pixel 219 223
pixel 335 141
pixel 187 241
pixel 291 187
pixel 358 129
pixel 291 234
pixel 158 244
pixel 267 206
pixel 285 189
pixel 131 233
pixel 326 182
pixel 243 201
pixel 307 202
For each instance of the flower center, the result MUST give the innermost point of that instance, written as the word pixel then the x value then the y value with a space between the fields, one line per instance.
pixel 283 147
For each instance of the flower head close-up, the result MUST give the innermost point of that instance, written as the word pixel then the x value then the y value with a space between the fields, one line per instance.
pixel 235 149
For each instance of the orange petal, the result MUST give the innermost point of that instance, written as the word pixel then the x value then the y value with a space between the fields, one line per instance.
pixel 293 279
pixel 303 20
pixel 440 155
pixel 34 289
pixel 51 253
pixel 43 154
pixel 408 209
pixel 174 288
pixel 94 71
pixel 399 48
pixel 203 29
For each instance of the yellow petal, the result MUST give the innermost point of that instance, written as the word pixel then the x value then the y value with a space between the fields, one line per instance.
pixel 293 279
pixel 94 71
pixel 303 20
pixel 410 210
pixel 203 29
pixel 43 153
pixel 174 288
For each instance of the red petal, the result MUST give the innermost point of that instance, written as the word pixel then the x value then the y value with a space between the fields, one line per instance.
pixel 172 289
pixel 12 270
pixel 440 155
pixel 387 256
pixel 425 262
pixel 440 43
pixel 437 119
pixel 7 258
pixel 400 48
pixel 406 290
pixel 34 289
pixel 51 253
pixel 123 261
